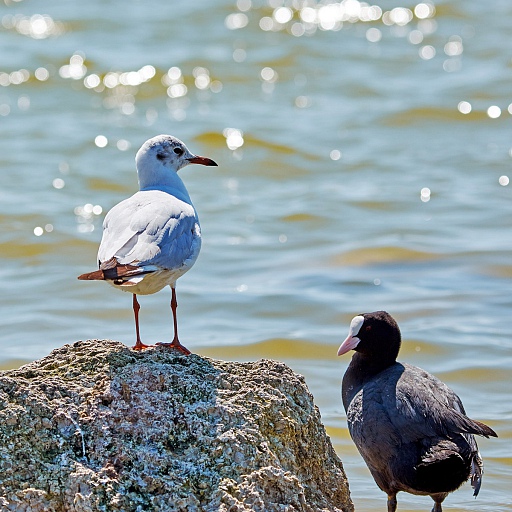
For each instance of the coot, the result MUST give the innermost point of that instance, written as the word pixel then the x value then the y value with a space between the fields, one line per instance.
pixel 410 428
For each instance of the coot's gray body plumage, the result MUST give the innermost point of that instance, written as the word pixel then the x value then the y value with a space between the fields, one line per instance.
pixel 410 428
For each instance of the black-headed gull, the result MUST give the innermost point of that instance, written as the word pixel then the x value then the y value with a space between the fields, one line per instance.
pixel 410 428
pixel 152 238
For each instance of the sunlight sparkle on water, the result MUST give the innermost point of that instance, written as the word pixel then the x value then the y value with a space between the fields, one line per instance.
pixel 399 16
pixel 451 65
pixel 234 138
pixel 85 216
pixel 335 154
pixel 415 36
pixel 425 194
pixel 75 69
pixel 239 55
pixel 177 90
pixel 374 35
pixel 101 141
pixel 494 112
pixel 174 74
pixel 236 20
pixel 92 81
pixel 37 26
pixel 464 107
pixel 243 5
pixel 15 77
pixel 23 102
pixel 454 46
pixel 123 145
pixel 302 102
pixel 268 74
pixel 42 74
pixel 201 77
pixel 300 18
pixel 427 52
pixel 424 10
pixel 504 181
pixel 58 183
pixel 282 15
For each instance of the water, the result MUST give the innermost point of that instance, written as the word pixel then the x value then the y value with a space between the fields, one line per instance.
pixel 363 165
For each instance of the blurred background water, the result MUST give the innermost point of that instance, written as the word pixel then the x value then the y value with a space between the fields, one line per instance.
pixel 364 160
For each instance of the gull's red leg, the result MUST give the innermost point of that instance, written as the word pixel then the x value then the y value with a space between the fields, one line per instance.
pixel 175 342
pixel 136 308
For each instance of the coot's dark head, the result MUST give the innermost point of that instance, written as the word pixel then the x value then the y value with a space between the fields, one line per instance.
pixel 375 336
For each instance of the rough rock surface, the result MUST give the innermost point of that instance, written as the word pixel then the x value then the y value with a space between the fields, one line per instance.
pixel 95 426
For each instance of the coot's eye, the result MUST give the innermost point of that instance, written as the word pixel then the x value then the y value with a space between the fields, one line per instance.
pixel 178 151
pixel 368 327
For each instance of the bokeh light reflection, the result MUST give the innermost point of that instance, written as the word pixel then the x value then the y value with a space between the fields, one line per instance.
pixel 76 68
pixel 37 26
pixel 101 141
pixel 236 21
pixel 86 216
pixel 282 15
pixel 234 138
pixel 454 46
pixel 374 35
pixel 335 154
pixel 464 107
pixel 415 36
pixel 42 74
pixel 58 183
pixel 427 52
pixel 424 10
pixel 494 111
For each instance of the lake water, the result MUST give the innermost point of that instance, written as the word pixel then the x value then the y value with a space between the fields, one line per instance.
pixel 364 162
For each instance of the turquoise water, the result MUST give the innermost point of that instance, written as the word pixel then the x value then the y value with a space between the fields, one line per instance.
pixel 364 162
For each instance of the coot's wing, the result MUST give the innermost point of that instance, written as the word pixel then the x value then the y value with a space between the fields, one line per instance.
pixel 426 407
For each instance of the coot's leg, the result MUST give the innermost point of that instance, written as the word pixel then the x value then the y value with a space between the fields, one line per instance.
pixel 438 499
pixel 437 507
pixel 392 502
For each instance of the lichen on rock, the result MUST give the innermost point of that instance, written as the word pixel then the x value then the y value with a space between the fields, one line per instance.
pixel 95 426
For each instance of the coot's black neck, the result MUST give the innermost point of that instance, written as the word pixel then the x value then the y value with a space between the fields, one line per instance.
pixel 362 369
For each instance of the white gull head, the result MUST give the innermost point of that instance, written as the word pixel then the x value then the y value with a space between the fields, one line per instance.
pixel 160 158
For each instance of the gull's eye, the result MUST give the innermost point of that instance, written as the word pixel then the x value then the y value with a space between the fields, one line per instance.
pixel 178 151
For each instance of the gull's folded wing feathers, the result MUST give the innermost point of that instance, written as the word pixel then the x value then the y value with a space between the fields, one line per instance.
pixel 150 229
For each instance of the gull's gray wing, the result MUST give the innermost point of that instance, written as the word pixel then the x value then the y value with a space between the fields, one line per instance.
pixel 151 228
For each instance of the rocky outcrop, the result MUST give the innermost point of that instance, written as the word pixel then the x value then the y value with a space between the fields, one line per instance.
pixel 95 426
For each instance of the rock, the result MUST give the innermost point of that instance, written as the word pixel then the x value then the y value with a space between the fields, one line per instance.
pixel 95 426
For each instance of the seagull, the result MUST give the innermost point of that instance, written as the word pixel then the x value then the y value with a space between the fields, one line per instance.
pixel 152 238
pixel 410 428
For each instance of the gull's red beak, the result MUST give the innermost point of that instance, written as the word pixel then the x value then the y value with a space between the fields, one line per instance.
pixel 202 160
